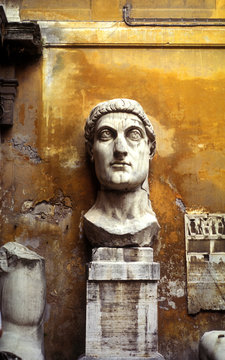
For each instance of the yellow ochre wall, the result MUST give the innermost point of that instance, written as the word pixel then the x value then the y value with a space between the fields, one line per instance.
pixel 90 55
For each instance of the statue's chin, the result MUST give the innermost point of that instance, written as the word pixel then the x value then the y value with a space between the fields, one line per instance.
pixel 122 183
pixel 120 186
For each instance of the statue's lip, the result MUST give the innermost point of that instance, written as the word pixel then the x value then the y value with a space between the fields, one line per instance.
pixel 120 163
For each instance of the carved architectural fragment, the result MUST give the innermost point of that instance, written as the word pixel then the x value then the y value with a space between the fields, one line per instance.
pixel 205 257
pixel 19 40
pixel 7 97
pixel 3 21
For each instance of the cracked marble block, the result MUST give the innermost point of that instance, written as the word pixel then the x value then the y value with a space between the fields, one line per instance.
pixel 23 289
pixel 122 304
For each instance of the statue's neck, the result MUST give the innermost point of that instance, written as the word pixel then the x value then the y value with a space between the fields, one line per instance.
pixel 120 218
pixel 123 205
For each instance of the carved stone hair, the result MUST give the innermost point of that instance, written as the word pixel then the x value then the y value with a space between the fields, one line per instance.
pixel 117 105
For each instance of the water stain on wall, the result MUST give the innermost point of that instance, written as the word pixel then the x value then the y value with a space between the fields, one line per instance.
pixel 48 184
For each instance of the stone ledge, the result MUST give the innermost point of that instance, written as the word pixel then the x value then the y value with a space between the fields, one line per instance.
pixel 111 34
pixel 117 270
pixel 155 356
pixel 134 254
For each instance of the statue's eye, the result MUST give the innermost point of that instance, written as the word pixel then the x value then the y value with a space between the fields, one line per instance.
pixel 134 135
pixel 105 135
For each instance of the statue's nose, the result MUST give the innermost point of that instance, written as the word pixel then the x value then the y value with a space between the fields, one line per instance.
pixel 120 147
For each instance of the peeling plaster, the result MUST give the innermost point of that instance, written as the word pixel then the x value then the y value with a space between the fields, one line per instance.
pixel 19 144
pixel 176 288
pixel 180 205
pixel 172 304
pixel 172 291
pixel 54 211
pixel 33 242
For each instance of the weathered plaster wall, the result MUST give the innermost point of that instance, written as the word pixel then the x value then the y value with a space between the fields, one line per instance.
pixel 48 185
pixel 101 10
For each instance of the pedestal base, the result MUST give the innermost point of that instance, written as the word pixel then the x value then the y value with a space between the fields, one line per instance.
pixel 121 320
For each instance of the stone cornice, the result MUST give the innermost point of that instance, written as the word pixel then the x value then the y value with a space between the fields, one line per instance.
pixel 19 39
pixel 118 34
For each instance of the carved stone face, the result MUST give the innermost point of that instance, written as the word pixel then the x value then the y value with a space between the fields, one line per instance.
pixel 121 151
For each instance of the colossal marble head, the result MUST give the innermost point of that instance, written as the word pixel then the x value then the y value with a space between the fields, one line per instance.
pixel 120 140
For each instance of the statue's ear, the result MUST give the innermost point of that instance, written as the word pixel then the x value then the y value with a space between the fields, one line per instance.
pixel 90 151
pixel 152 147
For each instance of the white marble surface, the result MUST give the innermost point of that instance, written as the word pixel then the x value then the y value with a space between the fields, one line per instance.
pixel 23 288
pixel 121 141
pixel 212 345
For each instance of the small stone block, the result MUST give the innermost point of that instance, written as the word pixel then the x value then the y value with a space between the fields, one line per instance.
pixel 123 254
pixel 123 271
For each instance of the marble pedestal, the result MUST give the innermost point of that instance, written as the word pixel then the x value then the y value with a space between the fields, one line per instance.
pixel 121 319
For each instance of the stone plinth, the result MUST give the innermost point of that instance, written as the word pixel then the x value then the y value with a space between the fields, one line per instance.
pixel 121 317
